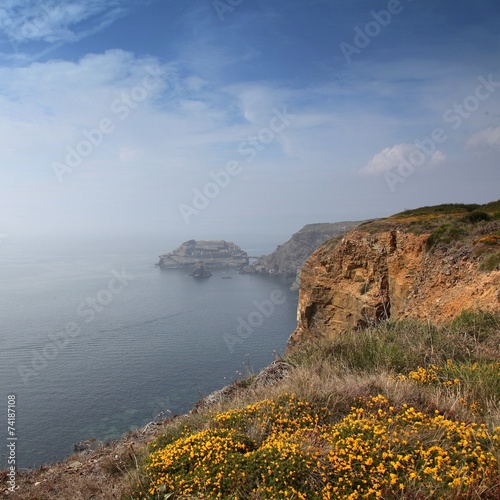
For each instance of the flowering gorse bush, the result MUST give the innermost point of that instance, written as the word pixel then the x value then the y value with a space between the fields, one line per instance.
pixel 289 448
pixel 474 383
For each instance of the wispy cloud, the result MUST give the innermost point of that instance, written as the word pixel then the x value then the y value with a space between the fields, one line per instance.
pixel 30 29
pixel 485 139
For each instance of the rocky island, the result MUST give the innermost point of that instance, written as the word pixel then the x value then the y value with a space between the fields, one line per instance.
pixel 213 254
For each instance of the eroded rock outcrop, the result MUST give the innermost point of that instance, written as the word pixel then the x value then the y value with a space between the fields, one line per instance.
pixel 217 254
pixel 363 278
pixel 287 260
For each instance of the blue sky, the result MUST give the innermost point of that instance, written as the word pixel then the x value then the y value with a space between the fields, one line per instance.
pixel 212 119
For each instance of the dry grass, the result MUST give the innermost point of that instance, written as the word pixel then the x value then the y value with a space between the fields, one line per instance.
pixel 102 474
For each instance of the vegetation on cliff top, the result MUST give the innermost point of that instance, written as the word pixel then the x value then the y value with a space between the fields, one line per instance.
pixel 426 219
pixel 472 226
pixel 402 410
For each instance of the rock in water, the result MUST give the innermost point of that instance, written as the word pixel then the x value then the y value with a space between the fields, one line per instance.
pixel 200 272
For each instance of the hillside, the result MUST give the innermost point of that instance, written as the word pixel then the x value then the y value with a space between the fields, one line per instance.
pixel 390 387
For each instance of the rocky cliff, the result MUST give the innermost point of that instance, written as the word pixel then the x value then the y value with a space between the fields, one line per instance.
pixel 429 263
pixel 218 254
pixel 288 258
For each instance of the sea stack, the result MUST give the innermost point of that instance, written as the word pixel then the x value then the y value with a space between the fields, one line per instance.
pixel 201 272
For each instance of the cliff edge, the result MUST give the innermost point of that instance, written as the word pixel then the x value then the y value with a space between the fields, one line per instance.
pixel 287 259
pixel 430 263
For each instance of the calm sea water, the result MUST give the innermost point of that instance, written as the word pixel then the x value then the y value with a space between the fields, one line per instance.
pixel 94 343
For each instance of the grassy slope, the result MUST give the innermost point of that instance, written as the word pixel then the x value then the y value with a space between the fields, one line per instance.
pixel 450 373
pixel 401 410
pixel 431 431
pixel 476 227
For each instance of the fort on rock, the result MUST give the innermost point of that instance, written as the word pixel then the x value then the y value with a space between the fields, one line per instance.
pixel 214 254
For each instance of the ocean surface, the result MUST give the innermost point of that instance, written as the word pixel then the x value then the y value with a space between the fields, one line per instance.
pixel 97 341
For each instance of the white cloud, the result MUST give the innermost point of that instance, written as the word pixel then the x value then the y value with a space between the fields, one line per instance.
pixel 183 129
pixel 390 158
pixel 387 159
pixel 437 158
pixel 46 106
pixel 31 30
pixel 192 126
pixel 485 139
pixel 255 101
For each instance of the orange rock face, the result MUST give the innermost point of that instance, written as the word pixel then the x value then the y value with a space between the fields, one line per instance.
pixel 365 278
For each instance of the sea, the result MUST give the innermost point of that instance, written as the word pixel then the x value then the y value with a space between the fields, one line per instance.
pixel 96 341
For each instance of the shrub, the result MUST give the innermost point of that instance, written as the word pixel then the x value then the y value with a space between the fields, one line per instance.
pixel 473 384
pixel 401 410
pixel 445 233
pixel 378 450
pixel 476 216
pixel 491 262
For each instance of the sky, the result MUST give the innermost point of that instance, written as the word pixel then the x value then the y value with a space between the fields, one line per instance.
pixel 213 119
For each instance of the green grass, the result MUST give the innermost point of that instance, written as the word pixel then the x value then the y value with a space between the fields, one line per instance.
pixel 444 209
pixel 445 212
pixel 447 225
pixel 490 262
pixel 492 207
pixel 400 346
pixel 446 233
